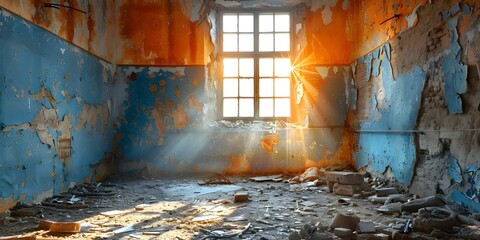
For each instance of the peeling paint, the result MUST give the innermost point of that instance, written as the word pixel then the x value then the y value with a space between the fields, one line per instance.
pixel 400 104
pixel 412 18
pixel 92 32
pixel 454 71
pixel 40 151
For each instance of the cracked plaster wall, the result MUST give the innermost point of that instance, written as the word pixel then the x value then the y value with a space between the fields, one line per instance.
pixel 56 126
pixel 93 31
pixel 428 82
pixel 164 129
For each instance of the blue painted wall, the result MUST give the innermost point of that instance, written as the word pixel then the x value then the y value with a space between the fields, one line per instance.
pixel 397 110
pixel 49 89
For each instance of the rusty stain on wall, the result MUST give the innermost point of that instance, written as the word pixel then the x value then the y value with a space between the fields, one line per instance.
pixel 164 35
pixel 326 36
pixel 268 142
pixel 93 31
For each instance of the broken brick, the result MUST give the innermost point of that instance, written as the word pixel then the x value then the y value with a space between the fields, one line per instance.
pixel 240 196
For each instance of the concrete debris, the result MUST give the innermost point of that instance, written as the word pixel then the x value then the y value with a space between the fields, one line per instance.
pixel 348 178
pixel 266 178
pixel 216 178
pixel 432 201
pixel 391 208
pixel 310 174
pixel 114 213
pixel 366 227
pixel 204 217
pixel 24 211
pixel 343 232
pixel 92 189
pixel 382 192
pixel 240 196
pixel 345 221
pixel 392 198
pixel 434 218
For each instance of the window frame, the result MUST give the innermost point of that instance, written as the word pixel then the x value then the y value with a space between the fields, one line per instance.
pixel 256 55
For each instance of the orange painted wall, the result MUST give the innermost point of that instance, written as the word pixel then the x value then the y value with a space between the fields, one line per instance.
pixel 327 43
pixel 160 33
pixel 370 33
pixel 92 31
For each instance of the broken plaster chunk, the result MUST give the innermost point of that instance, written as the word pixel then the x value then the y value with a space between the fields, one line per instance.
pixel 382 192
pixel 366 227
pixel 432 201
pixel 345 221
pixel 240 196
pixel 343 232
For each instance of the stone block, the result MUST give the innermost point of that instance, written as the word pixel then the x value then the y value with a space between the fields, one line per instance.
pixel 351 178
pixel 345 221
pixel 240 196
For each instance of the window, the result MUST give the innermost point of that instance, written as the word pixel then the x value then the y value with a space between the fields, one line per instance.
pixel 255 50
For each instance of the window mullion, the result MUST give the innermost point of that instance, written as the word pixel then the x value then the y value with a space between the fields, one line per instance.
pixel 256 66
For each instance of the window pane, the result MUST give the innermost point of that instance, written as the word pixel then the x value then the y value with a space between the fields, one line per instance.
pixel 230 67
pixel 282 87
pixel 266 107
pixel 282 67
pixel 246 67
pixel 266 87
pixel 265 42
pixel 230 87
pixel 265 23
pixel 230 42
pixel 246 87
pixel 245 23
pixel 266 67
pixel 282 107
pixel 246 43
pixel 246 107
pixel 230 22
pixel 230 107
pixel 282 22
pixel 282 42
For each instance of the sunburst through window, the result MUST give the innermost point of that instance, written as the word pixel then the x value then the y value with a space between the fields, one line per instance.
pixel 256 64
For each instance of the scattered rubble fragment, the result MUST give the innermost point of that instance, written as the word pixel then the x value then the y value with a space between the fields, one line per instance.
pixel 240 196
pixel 216 178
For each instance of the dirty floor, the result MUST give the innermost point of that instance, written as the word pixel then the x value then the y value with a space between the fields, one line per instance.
pixel 182 209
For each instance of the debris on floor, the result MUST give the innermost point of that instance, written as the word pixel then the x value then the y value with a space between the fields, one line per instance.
pixel 266 207
pixel 215 178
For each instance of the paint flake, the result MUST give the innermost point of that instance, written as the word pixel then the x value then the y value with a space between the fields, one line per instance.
pixel 455 73
pixel 411 19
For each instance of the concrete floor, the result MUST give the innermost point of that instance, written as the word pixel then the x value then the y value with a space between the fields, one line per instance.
pixel 174 209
